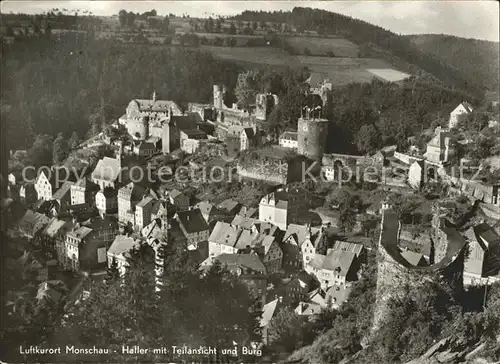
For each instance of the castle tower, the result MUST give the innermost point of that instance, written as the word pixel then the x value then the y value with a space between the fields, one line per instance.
pixel 312 133
pixel 219 96
pixel 170 139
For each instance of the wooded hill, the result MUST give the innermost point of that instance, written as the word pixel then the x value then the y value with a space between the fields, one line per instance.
pixel 374 40
pixel 477 59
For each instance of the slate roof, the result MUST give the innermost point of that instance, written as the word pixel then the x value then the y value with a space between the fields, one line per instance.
pixel 55 225
pixel 412 257
pixel 174 193
pixel 192 221
pixel 247 262
pixel 224 233
pixel 193 133
pixel 289 135
pixel 348 247
pixel 107 169
pixel 228 205
pixel 80 232
pixel 338 261
pixel 122 245
pixel 147 200
pixel 157 105
pixel 268 312
pixel 298 232
pixel 244 222
pixel 65 189
pixel 185 122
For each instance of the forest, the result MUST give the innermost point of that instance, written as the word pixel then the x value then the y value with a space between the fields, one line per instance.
pixel 64 84
pixel 366 34
pixel 477 58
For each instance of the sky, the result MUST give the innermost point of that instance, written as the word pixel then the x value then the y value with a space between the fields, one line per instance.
pixel 469 19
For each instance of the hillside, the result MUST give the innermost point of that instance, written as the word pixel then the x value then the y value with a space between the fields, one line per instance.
pixel 475 59
pixel 397 50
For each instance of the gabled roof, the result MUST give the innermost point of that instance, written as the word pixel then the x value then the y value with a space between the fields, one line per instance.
pixel 348 247
pixel 157 105
pixel 228 205
pixel 414 258
pixel 298 232
pixel 244 222
pixel 153 230
pixel 337 261
pixel 268 312
pixel 146 200
pixel 192 221
pixel 55 226
pixel 225 234
pixel 193 133
pixel 487 233
pixel 107 169
pixel 174 193
pixel 247 262
pixel 185 122
pixel 122 245
pixel 80 232
pixel 207 208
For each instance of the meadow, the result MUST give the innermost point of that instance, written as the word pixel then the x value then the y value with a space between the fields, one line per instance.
pixel 340 47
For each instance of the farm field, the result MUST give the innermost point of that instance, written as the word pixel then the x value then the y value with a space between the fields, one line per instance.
pixel 341 70
pixel 320 46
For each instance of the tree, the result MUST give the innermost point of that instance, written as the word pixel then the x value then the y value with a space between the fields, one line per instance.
pixel 307 52
pixel 112 272
pixel 255 25
pixel 123 18
pixel 284 330
pixel 166 25
pixel 232 29
pixel 41 151
pixel 60 149
pixel 367 139
pixel 73 141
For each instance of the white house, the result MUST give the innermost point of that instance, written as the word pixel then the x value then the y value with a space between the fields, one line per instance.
pixel 289 140
pixel 458 113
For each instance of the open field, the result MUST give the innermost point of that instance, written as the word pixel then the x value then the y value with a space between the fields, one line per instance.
pixel 320 46
pixel 341 70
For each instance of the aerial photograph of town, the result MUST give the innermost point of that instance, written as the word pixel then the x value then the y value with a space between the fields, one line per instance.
pixel 306 182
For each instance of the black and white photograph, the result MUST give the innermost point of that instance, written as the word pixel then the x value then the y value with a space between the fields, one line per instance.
pixel 267 182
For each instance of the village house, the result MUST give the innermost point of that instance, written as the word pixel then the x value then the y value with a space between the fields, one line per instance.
pixel 274 211
pixel 292 289
pixel 269 252
pixel 32 222
pixel 414 258
pixel 193 226
pixel 299 246
pixel 45 185
pixel 128 197
pixel 457 115
pixel 336 268
pixel 143 211
pixel 190 139
pixel 27 193
pixel 223 239
pixel 107 172
pixel 106 201
pixel 86 245
pixel 56 230
pixel 250 137
pixel 247 267
pixel 145 149
pixel 119 251
pixel 416 174
pixel 483 260
pixel 358 249
pixel 440 148
pixel 229 206
pixel 63 197
pixel 209 211
pixel 178 199
pixel 289 139
pixel 82 191
pixel 269 312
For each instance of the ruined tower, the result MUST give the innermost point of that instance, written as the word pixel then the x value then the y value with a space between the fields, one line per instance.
pixel 312 133
pixel 219 92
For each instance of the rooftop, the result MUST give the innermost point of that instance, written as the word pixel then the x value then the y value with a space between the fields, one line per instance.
pixel 65 189
pixel 289 135
pixel 107 169
pixel 123 244
pixel 336 261
pixel 80 232
pixel 192 221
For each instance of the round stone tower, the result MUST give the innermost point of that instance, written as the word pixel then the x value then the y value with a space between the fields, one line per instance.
pixel 312 134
